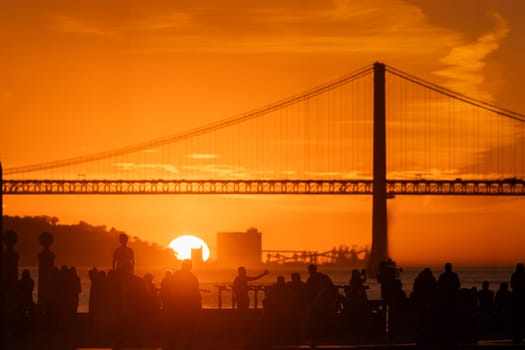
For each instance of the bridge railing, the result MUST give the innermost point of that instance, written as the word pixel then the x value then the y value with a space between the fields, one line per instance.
pixel 509 187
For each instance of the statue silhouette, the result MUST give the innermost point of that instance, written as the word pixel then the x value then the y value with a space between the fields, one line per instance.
pixel 46 263
pixel 10 261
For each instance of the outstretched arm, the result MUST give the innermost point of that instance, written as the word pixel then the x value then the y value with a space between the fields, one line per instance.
pixel 253 278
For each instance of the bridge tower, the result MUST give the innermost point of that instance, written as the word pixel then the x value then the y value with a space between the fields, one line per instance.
pixel 379 250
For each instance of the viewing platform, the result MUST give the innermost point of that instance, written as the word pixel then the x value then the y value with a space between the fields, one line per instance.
pixel 215 329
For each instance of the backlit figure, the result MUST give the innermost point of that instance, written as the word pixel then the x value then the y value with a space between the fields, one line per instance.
pixel 240 287
pixel 123 257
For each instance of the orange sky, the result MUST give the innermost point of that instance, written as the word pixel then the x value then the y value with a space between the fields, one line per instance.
pixel 87 76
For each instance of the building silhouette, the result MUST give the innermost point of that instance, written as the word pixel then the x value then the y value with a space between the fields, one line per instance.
pixel 239 248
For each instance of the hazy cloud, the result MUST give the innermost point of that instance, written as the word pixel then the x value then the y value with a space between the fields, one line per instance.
pixel 379 26
pixel 466 63
pixel 218 170
pixel 169 168
pixel 202 156
pixel 71 24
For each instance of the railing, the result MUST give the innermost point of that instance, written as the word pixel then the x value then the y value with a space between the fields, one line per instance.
pixel 255 289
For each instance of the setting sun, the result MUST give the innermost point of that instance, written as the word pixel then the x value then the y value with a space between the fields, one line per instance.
pixel 183 245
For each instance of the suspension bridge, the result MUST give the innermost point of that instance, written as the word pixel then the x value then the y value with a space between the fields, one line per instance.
pixel 377 131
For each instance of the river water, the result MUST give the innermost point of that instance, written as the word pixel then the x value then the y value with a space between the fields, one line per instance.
pixel 210 279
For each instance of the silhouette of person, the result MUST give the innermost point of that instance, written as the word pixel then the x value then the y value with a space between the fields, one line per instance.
pixel 448 283
pixel 517 283
pixel 388 274
pixel 464 317
pixel 153 301
pixel 63 292
pixel 164 290
pixel 486 306
pixel 94 293
pixel 398 306
pixel 485 298
pixel 355 306
pixel 388 277
pixel 98 293
pixel 318 282
pixel 75 289
pixel 299 300
pixel 240 288
pixel 448 287
pixel 278 297
pixel 25 293
pixel 474 298
pixel 46 264
pixel 277 310
pixel 186 302
pixel 126 290
pixel 503 304
pixel 423 292
pixel 424 297
pixel 357 288
pixel 124 257
pixel 324 303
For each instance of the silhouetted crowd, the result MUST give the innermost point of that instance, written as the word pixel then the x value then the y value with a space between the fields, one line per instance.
pixel 438 311
pixel 58 288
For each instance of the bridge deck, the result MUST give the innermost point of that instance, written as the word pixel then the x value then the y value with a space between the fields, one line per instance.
pixel 506 187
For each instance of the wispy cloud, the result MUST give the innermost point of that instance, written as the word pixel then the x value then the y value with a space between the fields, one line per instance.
pixel 342 26
pixel 169 168
pixel 325 174
pixel 467 62
pixel 216 170
pixel 76 25
pixel 202 156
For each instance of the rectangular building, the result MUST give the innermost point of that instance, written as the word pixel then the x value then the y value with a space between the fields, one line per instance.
pixel 239 248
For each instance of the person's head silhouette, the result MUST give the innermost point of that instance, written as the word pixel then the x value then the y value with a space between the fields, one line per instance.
pixel 520 267
pixel 280 280
pixel 10 239
pixel 123 239
pixel 296 277
pixel 186 265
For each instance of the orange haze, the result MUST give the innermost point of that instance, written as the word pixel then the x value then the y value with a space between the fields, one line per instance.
pixel 87 76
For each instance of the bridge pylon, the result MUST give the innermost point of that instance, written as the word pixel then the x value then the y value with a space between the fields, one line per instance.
pixel 379 250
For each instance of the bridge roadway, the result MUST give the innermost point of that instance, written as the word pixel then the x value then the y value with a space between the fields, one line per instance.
pixel 505 187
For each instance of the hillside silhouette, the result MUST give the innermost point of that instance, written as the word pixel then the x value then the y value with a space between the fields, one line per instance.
pixel 81 244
